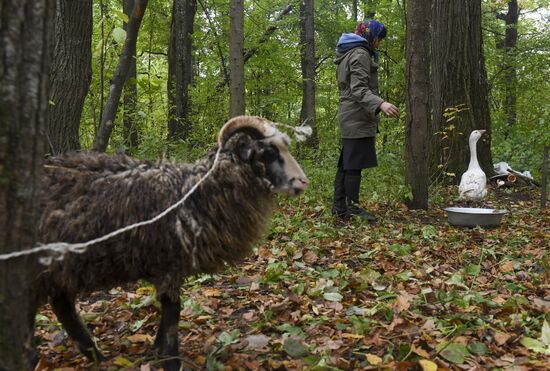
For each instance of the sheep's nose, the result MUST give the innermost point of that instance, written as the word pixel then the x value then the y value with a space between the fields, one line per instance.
pixel 301 183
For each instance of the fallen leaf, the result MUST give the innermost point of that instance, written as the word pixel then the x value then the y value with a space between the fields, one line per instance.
pixel 123 362
pixel 211 292
pixel 427 365
pixel 140 338
pixel 478 348
pixel 256 342
pixel 403 301
pixel 455 353
pixel 351 336
pixel 332 296
pixel 295 348
pixel 310 257
pixel 507 267
pixel 421 352
pixel 499 300
pixel 373 359
pixel 501 338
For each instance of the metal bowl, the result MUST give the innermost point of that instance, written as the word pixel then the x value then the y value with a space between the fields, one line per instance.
pixel 473 216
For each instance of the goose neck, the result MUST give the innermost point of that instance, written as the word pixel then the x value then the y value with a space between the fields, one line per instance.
pixel 473 155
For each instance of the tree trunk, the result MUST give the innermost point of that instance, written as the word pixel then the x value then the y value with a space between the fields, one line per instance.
pixel 129 120
pixel 26 31
pixel 418 135
pixel 180 68
pixel 307 43
pixel 119 77
pixel 249 53
pixel 237 102
pixel 510 72
pixel 70 73
pixel 459 81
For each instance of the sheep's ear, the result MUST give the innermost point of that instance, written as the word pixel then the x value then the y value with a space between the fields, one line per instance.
pixel 255 127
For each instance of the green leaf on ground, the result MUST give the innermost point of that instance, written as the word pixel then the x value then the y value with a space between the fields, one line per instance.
pixel 455 353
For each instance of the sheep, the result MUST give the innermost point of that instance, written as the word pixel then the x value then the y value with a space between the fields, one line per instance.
pixel 87 195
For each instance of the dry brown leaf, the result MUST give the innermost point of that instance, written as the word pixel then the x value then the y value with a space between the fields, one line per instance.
pixel 310 257
pixel 403 301
pixel 421 352
pixel 210 291
pixel 507 267
pixel 501 338
pixel 351 336
pixel 140 338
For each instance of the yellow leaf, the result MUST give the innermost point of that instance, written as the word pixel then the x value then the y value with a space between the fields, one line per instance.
pixel 146 290
pixel 140 338
pixel 421 352
pixel 427 365
pixel 374 359
pixel 212 292
pixel 351 336
pixel 122 362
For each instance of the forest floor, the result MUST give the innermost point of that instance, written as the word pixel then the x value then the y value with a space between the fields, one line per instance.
pixel 410 293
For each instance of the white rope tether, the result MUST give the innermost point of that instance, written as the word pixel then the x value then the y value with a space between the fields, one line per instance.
pixel 62 248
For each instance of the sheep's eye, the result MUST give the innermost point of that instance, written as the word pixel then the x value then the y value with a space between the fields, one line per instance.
pixel 270 155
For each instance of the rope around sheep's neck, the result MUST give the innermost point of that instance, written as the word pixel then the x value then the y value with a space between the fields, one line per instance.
pixel 62 248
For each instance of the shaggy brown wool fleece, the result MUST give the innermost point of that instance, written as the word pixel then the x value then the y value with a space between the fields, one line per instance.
pixel 88 195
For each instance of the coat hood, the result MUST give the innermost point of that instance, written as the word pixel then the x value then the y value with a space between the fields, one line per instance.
pixel 346 42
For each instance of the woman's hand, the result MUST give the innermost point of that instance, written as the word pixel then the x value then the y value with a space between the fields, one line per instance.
pixel 389 109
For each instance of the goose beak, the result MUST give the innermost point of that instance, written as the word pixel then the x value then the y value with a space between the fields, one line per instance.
pixel 482 131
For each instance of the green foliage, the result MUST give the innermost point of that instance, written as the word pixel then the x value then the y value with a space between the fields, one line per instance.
pixel 274 85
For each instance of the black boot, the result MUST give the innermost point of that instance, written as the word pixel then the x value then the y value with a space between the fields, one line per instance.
pixel 353 185
pixel 339 205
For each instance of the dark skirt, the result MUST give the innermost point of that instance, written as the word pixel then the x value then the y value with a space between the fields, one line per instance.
pixel 358 153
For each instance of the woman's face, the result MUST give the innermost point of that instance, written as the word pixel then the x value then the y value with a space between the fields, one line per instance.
pixel 376 42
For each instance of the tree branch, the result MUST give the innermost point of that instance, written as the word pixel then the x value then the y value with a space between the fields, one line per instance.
pixel 119 78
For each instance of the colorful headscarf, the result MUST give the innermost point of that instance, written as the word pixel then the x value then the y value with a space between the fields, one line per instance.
pixel 369 30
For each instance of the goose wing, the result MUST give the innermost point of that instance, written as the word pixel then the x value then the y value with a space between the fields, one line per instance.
pixel 473 185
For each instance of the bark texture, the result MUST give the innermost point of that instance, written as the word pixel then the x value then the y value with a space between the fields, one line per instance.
pixel 180 67
pixel 237 102
pixel 307 41
pixel 119 78
pixel 418 135
pixel 70 73
pixel 26 31
pixel 508 45
pixel 129 119
pixel 459 80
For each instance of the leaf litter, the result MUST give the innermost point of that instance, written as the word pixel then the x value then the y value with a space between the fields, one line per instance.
pixel 411 292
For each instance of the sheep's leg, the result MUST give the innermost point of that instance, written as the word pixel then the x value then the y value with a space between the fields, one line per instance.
pixel 167 335
pixel 64 308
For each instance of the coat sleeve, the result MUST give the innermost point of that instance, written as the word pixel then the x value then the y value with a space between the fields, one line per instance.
pixel 359 83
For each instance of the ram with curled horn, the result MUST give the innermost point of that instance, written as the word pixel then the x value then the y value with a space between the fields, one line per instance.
pixel 86 195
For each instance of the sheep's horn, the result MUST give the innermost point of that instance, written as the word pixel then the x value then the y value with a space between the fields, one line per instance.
pixel 255 126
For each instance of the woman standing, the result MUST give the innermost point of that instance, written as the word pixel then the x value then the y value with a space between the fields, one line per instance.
pixel 360 104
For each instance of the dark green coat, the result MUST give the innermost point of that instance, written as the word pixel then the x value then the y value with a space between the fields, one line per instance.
pixel 359 104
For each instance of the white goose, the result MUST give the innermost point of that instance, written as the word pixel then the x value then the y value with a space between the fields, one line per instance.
pixel 473 184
